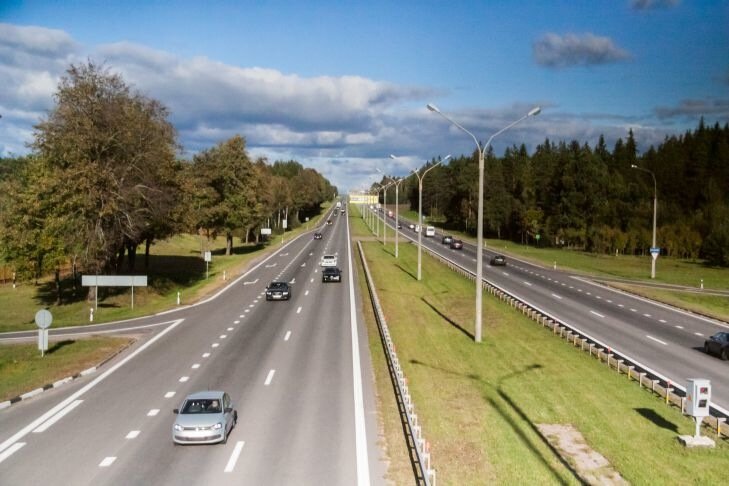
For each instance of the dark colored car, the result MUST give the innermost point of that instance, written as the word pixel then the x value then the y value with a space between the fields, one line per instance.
pixel 317 236
pixel 278 291
pixel 456 245
pixel 399 226
pixel 329 221
pixel 498 260
pixel 331 274
pixel 718 344
pixel 447 239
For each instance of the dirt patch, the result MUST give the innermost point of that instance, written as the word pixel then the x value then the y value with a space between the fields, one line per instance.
pixel 591 466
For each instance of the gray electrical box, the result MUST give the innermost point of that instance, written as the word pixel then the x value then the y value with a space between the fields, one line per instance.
pixel 698 397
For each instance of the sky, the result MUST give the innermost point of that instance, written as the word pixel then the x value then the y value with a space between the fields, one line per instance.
pixel 341 85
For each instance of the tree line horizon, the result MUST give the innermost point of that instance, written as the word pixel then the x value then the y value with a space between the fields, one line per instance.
pixel 576 196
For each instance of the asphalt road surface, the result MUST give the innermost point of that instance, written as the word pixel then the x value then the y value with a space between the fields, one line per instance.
pixel 298 373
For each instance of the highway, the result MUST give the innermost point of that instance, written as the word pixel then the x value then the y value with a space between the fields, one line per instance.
pixel 298 372
pixel 664 339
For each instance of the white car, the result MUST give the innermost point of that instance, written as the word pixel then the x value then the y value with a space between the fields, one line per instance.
pixel 328 261
pixel 429 231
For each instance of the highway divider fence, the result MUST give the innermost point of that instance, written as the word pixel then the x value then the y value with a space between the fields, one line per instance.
pixel 417 445
pixel 671 393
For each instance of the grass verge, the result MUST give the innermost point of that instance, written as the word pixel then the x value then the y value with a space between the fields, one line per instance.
pixel 23 369
pixel 480 403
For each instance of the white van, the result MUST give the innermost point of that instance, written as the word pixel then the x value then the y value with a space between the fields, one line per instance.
pixel 429 231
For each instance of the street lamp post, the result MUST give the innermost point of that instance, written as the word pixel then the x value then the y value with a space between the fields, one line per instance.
pixel 420 208
pixel 654 257
pixel 479 248
pixel 384 212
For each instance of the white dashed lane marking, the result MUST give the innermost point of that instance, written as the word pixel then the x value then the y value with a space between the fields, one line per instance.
pixel 298 311
pixel 132 434
pixel 195 366
pixel 108 461
pixel 657 340
pixel 183 379
pixel 269 378
pixel 234 456
pixel 169 394
pixel 287 336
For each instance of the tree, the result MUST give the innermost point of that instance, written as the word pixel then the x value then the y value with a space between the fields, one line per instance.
pixel 109 157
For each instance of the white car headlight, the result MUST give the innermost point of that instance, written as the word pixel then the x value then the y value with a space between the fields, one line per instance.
pixel 218 426
pixel 178 427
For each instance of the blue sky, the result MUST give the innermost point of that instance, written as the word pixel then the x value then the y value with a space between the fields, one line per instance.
pixel 341 85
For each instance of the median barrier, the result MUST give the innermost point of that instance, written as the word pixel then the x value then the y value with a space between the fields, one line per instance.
pixel 426 474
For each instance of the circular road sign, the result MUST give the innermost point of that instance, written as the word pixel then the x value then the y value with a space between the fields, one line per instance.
pixel 43 319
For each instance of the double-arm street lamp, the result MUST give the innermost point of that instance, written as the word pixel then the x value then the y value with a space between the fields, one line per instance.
pixel 479 248
pixel 384 210
pixel 654 256
pixel 420 207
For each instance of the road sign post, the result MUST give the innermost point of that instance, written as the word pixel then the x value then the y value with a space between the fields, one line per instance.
pixel 43 320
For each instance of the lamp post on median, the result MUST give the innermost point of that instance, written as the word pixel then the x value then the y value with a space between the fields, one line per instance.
pixel 479 248
pixel 420 207
pixel 654 250
pixel 384 211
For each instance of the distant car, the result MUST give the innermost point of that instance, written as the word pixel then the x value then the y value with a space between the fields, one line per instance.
pixel 429 231
pixel 328 261
pixel 336 212
pixel 329 221
pixel 417 228
pixel 498 260
pixel 343 210
pixel 205 417
pixel 317 236
pixel 331 274
pixel 278 291
pixel 447 240
pixel 718 344
pixel 411 226
pixel 456 245
pixel 399 226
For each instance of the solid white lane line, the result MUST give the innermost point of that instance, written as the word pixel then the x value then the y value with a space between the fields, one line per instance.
pixel 234 456
pixel 656 340
pixel 11 450
pixel 169 394
pixel 153 412
pixel 195 366
pixel 556 296
pixel 57 417
pixel 298 311
pixel 287 336
pixel 363 465
pixel 132 434
pixel 108 461
pixel 269 378
pixel 597 314
pixel 183 379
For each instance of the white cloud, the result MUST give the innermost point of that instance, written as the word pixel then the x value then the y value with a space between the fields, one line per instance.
pixel 556 51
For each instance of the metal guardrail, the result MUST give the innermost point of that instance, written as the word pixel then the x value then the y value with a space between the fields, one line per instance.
pixel 417 442
pixel 622 362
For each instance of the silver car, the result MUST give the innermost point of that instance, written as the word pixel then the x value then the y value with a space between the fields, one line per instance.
pixel 204 417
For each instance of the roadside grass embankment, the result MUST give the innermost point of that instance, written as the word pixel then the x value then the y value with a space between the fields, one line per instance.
pixel 22 368
pixel 480 404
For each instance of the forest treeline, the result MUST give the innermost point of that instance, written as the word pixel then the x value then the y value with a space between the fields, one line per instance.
pixel 104 177
pixel 591 198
